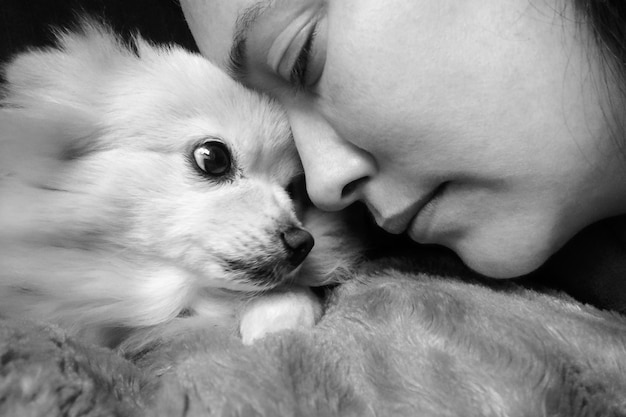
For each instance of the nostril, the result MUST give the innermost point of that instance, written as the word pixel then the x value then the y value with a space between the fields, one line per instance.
pixel 352 187
pixel 298 243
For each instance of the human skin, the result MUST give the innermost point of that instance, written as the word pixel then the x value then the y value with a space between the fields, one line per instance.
pixel 481 125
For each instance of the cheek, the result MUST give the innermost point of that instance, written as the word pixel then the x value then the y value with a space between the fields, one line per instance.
pixel 430 75
pixel 199 222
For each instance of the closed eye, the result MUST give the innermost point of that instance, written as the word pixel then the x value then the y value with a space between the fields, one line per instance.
pixel 302 61
pixel 297 46
pixel 298 74
pixel 309 66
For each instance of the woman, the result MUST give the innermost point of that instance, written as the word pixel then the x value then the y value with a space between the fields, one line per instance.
pixel 492 127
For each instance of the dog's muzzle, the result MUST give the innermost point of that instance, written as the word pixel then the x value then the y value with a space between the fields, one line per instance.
pixel 298 243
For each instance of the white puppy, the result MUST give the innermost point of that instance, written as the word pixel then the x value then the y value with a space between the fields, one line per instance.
pixel 142 192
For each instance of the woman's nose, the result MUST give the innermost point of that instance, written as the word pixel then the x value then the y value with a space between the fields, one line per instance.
pixel 336 170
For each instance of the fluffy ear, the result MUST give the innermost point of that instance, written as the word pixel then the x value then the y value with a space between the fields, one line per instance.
pixel 69 74
pixel 34 143
pixel 39 152
pixel 48 109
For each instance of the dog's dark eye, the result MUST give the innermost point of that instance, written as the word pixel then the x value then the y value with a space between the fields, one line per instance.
pixel 213 158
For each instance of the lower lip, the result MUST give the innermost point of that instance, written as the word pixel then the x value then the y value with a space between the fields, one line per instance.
pixel 421 227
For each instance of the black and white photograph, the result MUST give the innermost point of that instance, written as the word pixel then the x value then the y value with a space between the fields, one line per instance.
pixel 313 208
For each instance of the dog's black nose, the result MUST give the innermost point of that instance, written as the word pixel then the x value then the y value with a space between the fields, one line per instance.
pixel 298 243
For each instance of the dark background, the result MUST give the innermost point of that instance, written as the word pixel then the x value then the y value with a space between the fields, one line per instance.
pixel 25 23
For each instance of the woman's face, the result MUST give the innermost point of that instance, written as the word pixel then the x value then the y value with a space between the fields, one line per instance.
pixel 476 124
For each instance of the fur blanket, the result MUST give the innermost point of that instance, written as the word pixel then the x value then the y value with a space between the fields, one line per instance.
pixel 390 343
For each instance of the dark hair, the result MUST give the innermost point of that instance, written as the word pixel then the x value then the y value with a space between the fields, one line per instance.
pixel 606 20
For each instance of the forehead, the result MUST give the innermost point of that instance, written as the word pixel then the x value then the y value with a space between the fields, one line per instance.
pixel 213 23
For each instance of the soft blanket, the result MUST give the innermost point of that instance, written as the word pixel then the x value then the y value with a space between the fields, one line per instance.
pixel 390 344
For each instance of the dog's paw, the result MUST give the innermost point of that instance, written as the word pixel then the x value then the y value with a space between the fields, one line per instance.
pixel 270 313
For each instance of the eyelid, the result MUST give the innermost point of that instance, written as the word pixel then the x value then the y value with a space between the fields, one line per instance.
pixel 282 42
pixel 299 69
pixel 309 68
pixel 289 68
pixel 287 45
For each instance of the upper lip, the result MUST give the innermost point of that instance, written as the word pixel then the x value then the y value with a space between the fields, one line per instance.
pixel 399 222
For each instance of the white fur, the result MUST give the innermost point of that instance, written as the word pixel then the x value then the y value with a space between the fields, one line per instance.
pixel 297 308
pixel 105 223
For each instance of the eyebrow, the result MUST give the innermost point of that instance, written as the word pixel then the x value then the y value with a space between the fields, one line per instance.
pixel 237 60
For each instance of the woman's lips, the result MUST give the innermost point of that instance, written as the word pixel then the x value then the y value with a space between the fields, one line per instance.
pixel 420 224
pixel 399 223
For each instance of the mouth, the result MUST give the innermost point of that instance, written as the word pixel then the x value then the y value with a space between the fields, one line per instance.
pixel 400 223
pixel 260 274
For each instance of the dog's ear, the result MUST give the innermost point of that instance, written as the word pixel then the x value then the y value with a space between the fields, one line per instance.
pixel 37 152
pixel 35 143
pixel 48 108
pixel 72 73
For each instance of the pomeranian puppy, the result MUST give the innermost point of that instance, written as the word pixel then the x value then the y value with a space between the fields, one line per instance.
pixel 143 192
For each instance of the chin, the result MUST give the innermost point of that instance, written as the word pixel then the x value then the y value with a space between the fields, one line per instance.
pixel 509 259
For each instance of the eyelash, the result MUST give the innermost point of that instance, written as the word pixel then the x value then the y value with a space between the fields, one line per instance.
pixel 299 70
